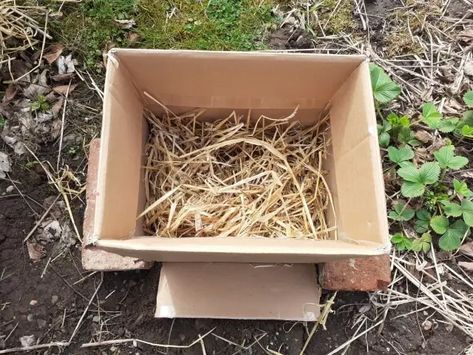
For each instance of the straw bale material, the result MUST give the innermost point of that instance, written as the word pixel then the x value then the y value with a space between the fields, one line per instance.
pixel 234 177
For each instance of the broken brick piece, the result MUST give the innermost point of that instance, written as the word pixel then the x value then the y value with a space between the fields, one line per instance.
pixel 356 274
pixel 93 258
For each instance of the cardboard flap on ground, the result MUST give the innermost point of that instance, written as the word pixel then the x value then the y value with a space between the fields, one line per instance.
pixel 238 291
pixel 273 83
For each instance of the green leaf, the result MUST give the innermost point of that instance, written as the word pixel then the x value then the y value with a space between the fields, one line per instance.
pixel 467 131
pixel 2 122
pixel 384 139
pixel 411 189
pixel 448 125
pixel 447 158
pixel 439 224
pixel 399 155
pixel 452 238
pixel 461 188
pixel 398 121
pixel 422 244
pixel 452 209
pixel 409 173
pixel 429 173
pixel 468 98
pixel 384 89
pixel 402 212
pixel 421 224
pixel 406 136
pixel 467 207
pixel 401 242
pixel 468 117
pixel 430 115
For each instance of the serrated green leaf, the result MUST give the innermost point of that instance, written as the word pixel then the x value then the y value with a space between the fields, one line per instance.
pixel 448 125
pixel 429 173
pixel 431 116
pixel 399 155
pixel 423 214
pixel 412 189
pixel 468 98
pixel 452 209
pixel 467 207
pixel 446 158
pixel 409 173
pixel 406 136
pixel 384 89
pixel 401 212
pixel 422 243
pixel 401 242
pixel 439 224
pixel 467 131
pixel 421 226
pixel 457 162
pixel 461 188
pixel 452 238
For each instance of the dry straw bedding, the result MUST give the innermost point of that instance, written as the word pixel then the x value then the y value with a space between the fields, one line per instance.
pixel 236 177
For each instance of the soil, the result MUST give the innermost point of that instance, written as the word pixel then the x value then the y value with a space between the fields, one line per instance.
pixel 48 298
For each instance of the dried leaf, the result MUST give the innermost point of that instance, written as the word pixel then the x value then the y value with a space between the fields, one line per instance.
pixel 423 136
pixel 63 89
pixel 4 164
pixel 35 251
pixel 126 24
pixel 467 249
pixel 52 53
pixel 468 266
pixel 65 65
pixel 57 106
pixel 10 93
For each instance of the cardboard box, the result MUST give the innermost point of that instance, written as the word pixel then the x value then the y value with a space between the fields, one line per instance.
pixel 266 82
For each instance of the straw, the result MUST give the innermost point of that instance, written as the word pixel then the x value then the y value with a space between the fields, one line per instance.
pixel 236 177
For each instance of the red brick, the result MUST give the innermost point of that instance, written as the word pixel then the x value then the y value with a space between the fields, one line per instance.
pixel 93 258
pixel 357 274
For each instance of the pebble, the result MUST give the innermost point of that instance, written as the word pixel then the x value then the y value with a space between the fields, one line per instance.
pixel 96 319
pixel 33 303
pixel 54 299
pixel 10 189
pixel 30 317
pixel 27 340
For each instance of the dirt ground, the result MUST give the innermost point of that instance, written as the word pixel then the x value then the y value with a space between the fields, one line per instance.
pixel 50 297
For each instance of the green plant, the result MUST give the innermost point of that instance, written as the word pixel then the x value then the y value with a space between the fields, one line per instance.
pixel 422 244
pixel 383 133
pixel 451 234
pixel 421 224
pixel 447 159
pixel 41 104
pixel 384 89
pixel 461 188
pixel 468 98
pixel 400 155
pixel 401 242
pixel 464 210
pixel 434 120
pixel 401 212
pixel 2 122
pixel 416 180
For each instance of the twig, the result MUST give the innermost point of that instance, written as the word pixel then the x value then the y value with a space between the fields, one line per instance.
pixel 63 119
pixel 34 347
pixel 135 341
pixel 41 219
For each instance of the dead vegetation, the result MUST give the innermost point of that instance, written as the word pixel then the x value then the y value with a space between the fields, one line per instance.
pixel 233 177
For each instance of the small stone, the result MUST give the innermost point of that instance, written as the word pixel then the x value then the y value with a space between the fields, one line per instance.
pixel 10 189
pixel 113 348
pixel 33 303
pixel 30 317
pixel 427 325
pixel 41 323
pixel 54 299
pixel 27 340
pixel 96 319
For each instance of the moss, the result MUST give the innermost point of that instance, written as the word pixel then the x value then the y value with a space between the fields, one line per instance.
pixel 90 27
pixel 399 41
pixel 336 19
pixel 213 25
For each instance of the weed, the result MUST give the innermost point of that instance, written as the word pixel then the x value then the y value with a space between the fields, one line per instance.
pixel 2 122
pixel 336 16
pixel 41 104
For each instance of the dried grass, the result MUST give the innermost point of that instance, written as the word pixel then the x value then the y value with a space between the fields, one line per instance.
pixel 234 177
pixel 19 28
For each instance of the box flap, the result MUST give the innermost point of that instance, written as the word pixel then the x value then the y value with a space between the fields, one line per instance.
pixel 238 291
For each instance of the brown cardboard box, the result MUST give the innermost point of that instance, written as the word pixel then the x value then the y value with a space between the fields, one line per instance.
pixel 266 82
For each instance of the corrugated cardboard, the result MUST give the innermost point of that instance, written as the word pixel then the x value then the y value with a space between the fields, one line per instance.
pixel 273 83
pixel 238 291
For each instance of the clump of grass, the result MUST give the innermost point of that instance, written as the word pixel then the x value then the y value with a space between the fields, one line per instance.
pixel 400 41
pixel 337 17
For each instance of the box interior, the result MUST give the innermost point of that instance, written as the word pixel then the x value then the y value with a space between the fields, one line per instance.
pixel 269 83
